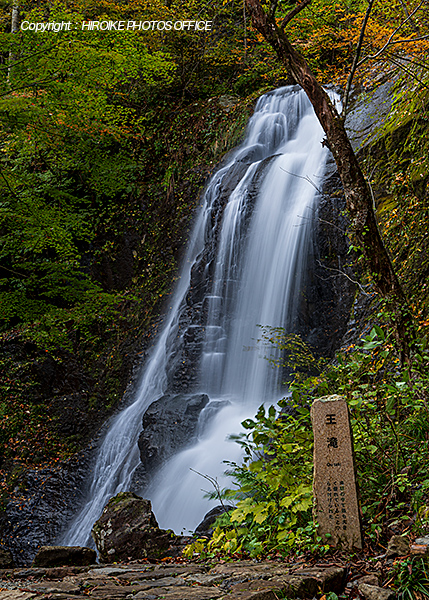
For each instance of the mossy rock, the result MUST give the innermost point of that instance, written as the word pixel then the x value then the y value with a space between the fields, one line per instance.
pixel 127 529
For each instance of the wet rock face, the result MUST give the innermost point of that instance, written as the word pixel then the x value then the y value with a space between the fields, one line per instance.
pixel 183 366
pixel 42 503
pixel 328 291
pixel 44 500
pixel 127 529
pixel 169 425
pixel 323 305
pixel 368 111
pixel 323 302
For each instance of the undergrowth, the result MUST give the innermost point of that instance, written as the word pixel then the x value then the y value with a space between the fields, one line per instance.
pixel 272 487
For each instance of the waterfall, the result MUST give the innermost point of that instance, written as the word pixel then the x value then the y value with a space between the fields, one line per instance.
pixel 261 243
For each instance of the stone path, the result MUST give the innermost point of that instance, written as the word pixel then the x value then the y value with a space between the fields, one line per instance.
pixel 242 580
pixel 239 580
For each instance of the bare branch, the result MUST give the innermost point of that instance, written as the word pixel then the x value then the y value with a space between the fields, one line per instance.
pixel 35 84
pixel 215 484
pixel 298 8
pixel 17 62
pixel 357 55
pixel 414 61
pixel 408 71
pixel 392 43
pixel 343 231
pixel 273 8
pixel 8 185
pixel 340 272
pixel 389 41
pixel 306 177
pixel 407 14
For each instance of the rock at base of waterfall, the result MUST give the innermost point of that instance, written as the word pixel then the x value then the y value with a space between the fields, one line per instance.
pixel 60 556
pixel 127 529
pixel 169 425
pixel 206 525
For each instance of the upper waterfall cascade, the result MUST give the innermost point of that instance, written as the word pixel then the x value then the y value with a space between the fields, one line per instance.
pixel 261 245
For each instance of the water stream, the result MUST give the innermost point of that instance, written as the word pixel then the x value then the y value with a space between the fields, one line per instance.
pixel 261 244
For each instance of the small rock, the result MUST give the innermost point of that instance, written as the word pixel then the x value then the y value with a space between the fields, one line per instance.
pixel 59 556
pixel 373 592
pixel 60 572
pixel 302 586
pixel 205 527
pixel 15 595
pixel 6 560
pixel 397 546
pixel 204 579
pixel 419 549
pixel 257 590
pixel 57 587
pixel 106 571
pixel 164 582
pixel 110 591
pixel 180 593
pixel 31 572
pixel 423 541
pixel 369 579
pixel 330 579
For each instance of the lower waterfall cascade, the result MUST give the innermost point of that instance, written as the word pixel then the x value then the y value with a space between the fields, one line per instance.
pixel 254 277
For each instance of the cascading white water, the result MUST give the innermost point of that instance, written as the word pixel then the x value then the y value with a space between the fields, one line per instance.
pixel 260 259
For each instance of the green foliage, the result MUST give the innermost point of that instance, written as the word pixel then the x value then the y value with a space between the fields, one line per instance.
pixel 411 579
pixel 273 489
pixel 288 350
pixel 106 141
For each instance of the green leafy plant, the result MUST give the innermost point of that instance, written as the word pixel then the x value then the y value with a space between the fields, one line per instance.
pixel 272 489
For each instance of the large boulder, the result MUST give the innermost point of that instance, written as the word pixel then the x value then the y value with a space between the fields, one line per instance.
pixel 127 529
pixel 59 556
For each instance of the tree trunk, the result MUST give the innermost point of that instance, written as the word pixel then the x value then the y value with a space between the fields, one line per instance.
pixel 358 195
pixel 14 28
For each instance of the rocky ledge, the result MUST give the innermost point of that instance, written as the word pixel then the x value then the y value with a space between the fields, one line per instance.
pixel 239 580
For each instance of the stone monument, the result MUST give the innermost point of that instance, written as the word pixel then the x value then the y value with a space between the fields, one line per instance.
pixel 334 483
